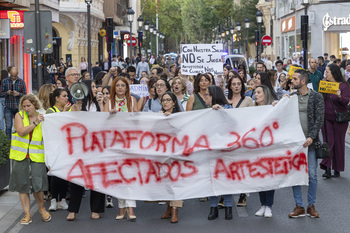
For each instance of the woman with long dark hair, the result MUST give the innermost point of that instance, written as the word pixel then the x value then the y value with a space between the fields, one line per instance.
pixel 91 103
pixel 201 98
pixel 263 96
pixel 170 105
pixel 58 187
pixel 262 78
pixel 335 130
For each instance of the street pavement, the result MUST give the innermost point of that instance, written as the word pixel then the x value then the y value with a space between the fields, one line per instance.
pixel 333 203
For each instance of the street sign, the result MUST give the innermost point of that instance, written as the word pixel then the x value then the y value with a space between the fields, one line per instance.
pixel 266 40
pixel 134 42
pixel 45 30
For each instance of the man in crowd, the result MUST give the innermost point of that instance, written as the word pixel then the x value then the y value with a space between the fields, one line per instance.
pixel 72 76
pixel 279 67
pixel 96 69
pixel 268 63
pixel 311 114
pixel 326 61
pixel 132 73
pixel 141 67
pixel 12 88
pixel 315 76
pixel 169 62
pixel 260 67
pixel 321 65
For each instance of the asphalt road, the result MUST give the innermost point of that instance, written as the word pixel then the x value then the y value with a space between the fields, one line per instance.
pixel 333 203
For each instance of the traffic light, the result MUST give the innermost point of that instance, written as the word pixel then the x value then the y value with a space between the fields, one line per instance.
pixel 256 36
pixel 109 35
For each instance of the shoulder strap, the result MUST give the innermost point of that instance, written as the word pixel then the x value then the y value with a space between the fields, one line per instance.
pixel 149 104
pixel 239 103
pixel 332 104
pixel 132 104
pixel 201 100
pixel 324 117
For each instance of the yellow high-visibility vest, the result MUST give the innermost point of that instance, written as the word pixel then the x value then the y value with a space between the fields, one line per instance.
pixel 20 146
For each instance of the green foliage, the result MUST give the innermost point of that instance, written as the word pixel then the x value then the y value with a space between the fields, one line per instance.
pixel 4 148
pixel 196 21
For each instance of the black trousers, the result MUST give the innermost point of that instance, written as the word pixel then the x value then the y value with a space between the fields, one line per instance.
pixel 58 188
pixel 97 200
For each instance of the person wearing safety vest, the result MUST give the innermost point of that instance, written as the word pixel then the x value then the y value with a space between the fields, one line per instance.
pixel 27 155
pixel 58 103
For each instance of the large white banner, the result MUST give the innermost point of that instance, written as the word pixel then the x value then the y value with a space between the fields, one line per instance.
pixel 147 156
pixel 201 58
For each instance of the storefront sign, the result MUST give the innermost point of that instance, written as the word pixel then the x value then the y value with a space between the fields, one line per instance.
pixel 328 87
pixel 334 21
pixel 201 58
pixel 16 18
pixel 288 25
pixel 149 156
pixel 5 32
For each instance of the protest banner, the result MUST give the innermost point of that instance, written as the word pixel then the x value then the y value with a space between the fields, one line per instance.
pixel 328 87
pixel 292 69
pixel 147 156
pixel 139 89
pixel 201 58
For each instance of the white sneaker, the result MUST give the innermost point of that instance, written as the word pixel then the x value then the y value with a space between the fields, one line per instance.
pixel 261 211
pixel 63 204
pixel 53 205
pixel 162 203
pixel 268 212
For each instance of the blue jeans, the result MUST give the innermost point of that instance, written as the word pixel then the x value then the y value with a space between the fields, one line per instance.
pixel 266 198
pixel 311 195
pixel 9 115
pixel 227 201
pixel 2 113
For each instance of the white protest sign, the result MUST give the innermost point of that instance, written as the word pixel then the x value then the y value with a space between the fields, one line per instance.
pixel 139 89
pixel 147 156
pixel 201 58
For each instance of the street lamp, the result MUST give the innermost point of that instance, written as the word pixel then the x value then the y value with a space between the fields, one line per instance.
pixel 88 3
pixel 140 21
pixel 238 27
pixel 157 40
pixel 151 29
pixel 305 31
pixel 146 28
pixel 259 17
pixel 130 14
pixel 247 25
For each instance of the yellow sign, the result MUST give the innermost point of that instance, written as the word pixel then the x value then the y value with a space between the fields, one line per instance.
pixel 328 87
pixel 102 32
pixel 292 69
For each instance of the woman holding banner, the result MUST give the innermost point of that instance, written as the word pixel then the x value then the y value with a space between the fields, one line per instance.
pixel 201 98
pixel 335 103
pixel 58 103
pixel 91 103
pixel 263 96
pixel 169 106
pixel 121 101
pixel 28 160
pixel 154 104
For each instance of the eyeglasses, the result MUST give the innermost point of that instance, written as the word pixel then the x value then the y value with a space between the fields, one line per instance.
pixel 166 100
pixel 75 74
pixel 160 85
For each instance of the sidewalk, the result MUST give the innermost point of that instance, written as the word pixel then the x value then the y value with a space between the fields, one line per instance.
pixel 11 210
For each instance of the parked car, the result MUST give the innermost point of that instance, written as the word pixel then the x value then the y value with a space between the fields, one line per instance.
pixel 235 60
pixel 172 55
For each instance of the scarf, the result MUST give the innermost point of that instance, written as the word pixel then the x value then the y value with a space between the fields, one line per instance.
pixel 121 104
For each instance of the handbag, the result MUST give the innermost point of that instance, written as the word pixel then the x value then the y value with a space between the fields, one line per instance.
pixel 340 117
pixel 322 149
